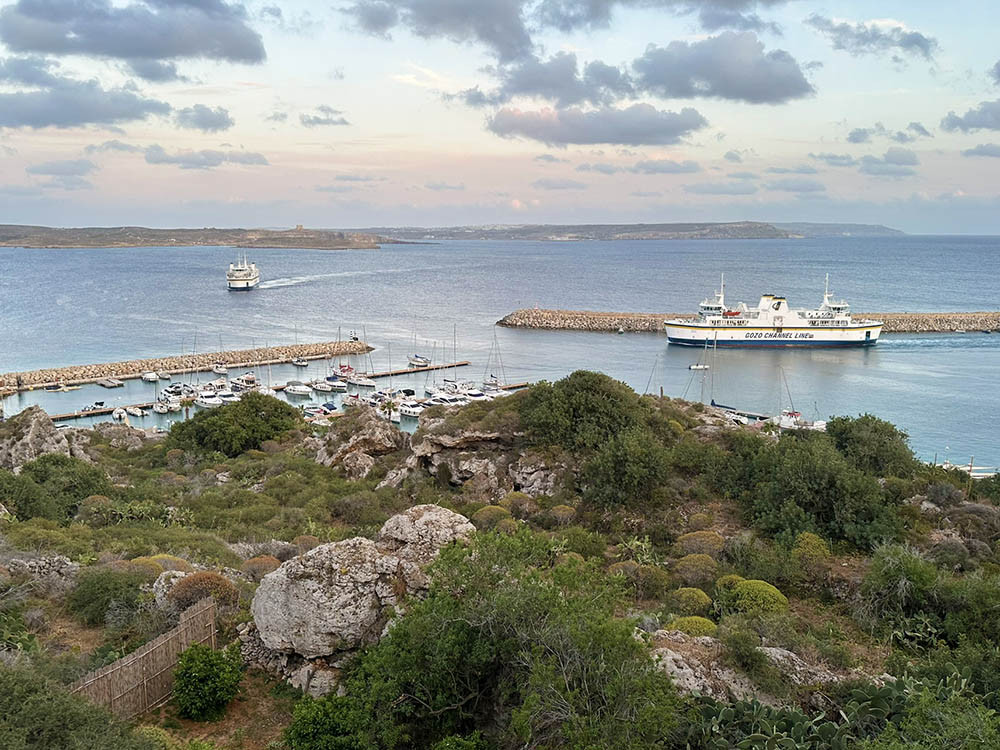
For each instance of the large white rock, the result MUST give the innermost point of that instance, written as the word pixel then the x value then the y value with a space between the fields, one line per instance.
pixel 419 533
pixel 340 596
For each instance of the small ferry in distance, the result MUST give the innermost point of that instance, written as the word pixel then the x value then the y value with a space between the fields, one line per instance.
pixel 242 275
pixel 773 323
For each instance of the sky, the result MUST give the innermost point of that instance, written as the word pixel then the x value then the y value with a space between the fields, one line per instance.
pixel 361 113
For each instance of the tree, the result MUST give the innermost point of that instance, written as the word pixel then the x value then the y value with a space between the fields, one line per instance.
pixel 873 445
pixel 64 483
pixel 235 428
pixel 626 469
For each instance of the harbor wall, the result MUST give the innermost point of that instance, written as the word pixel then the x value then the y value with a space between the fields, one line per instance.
pixel 583 320
pixel 80 374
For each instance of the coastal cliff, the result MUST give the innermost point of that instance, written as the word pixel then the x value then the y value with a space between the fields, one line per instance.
pixel 584 320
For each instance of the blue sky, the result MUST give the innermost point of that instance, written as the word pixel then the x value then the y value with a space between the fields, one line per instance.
pixel 440 112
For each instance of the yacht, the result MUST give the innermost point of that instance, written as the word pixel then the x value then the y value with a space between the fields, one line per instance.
pixel 160 407
pixel 208 399
pixel 361 380
pixel 245 382
pixel 789 419
pixel 96 406
pixel 322 385
pixel 336 384
pixel 118 414
pixel 242 275
pixel 219 368
pixel 773 323
pixel 164 375
pixel 297 388
pixel 150 377
pixel 300 362
pixel 417 360
pixel 227 396
pixel 134 411
pixel 411 409
pixel 474 394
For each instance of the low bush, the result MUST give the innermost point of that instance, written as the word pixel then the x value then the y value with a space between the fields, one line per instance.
pixel 98 587
pixel 757 598
pixel 689 601
pixel 205 680
pixel 899 582
pixel 195 587
pixel 811 556
pixel 701 543
pixel 700 521
pixel 258 567
pixel 486 518
pixel 583 542
pixel 696 570
pixel 652 582
pixel 693 626
pixel 235 428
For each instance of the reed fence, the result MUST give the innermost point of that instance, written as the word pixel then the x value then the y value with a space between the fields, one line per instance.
pixel 145 678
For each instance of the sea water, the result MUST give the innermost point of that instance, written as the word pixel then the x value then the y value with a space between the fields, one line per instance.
pixel 80 306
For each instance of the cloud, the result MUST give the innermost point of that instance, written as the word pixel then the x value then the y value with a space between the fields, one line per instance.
pixel 983 149
pixel 55 101
pixel 800 169
pixel 148 30
pixel 733 156
pixel 721 188
pixel 335 188
pixel 63 168
pixel 20 191
pixel 600 167
pixel 326 116
pixel 986 115
pixel 637 125
pixel 732 65
pixel 277 116
pixel 796 185
pixel 919 129
pixel 744 175
pixel 665 166
pixel 205 119
pixel 646 194
pixel 550 159
pixel 557 79
pixel 913 131
pixel 497 24
pixel 714 18
pixel 444 186
pixel 155 71
pixel 558 185
pixel 874 37
pixel 205 159
pixel 995 73
pixel 357 178
pixel 68 182
pixel 835 160
pixel 570 15
pixel 113 145
pixel 896 162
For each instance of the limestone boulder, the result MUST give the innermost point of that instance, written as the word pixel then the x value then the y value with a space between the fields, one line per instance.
pixel 162 586
pixel 356 448
pixel 121 436
pixel 31 434
pixel 335 597
pixel 416 535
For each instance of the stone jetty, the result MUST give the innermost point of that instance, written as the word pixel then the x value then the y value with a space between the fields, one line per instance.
pixel 583 320
pixel 12 382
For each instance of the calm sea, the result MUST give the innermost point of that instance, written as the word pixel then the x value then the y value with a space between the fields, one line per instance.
pixel 60 307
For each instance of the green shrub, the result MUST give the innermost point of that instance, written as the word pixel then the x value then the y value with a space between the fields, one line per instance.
pixel 327 724
pixel 652 582
pixel 873 445
pixel 583 542
pixel 701 543
pixel 696 570
pixel 758 598
pixel 473 741
pixel 97 588
pixel 507 525
pixel 486 518
pixel 811 556
pixel 205 680
pixel 562 514
pixel 899 582
pixel 693 626
pixel 627 569
pixel 38 715
pixel 171 562
pixel 626 470
pixel 237 427
pixel 195 587
pixel 700 521
pixel 520 505
pixel 306 542
pixel 689 601
pixel 66 481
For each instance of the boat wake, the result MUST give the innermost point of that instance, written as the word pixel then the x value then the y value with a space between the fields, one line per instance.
pixel 297 280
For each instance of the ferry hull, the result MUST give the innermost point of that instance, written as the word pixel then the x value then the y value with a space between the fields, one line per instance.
pixel 692 335
pixel 242 285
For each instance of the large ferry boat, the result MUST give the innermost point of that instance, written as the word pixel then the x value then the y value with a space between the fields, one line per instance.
pixel 773 323
pixel 242 275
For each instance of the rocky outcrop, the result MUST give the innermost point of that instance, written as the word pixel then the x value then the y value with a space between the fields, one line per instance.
pixel 354 450
pixel 317 609
pixel 52 574
pixel 30 434
pixel 162 585
pixel 121 436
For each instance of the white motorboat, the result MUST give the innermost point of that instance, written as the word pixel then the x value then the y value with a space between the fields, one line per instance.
pixel 300 362
pixel 150 377
pixel 265 390
pixel 322 386
pixel 297 388
pixel 164 375
pixel 336 384
pixel 208 400
pixel 474 394
pixel 134 411
pixel 227 397
pixel 96 406
pixel 160 407
pixel 362 381
pixel 698 367
pixel 418 360
pixel 245 382
pixel 411 409
pixel 219 368
pixel 173 404
pixel 242 275
pixel 118 414
pixel 789 419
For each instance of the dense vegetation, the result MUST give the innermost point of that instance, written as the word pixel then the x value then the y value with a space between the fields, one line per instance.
pixel 839 547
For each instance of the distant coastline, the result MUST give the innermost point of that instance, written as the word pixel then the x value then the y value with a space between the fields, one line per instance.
pixel 37 237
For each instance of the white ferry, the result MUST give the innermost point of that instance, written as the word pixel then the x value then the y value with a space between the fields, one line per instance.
pixel 242 275
pixel 773 323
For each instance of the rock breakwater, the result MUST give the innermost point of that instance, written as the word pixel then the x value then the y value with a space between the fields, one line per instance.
pixel 79 374
pixel 585 320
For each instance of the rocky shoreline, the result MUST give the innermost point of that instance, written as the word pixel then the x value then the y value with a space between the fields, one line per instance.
pixel 12 382
pixel 584 320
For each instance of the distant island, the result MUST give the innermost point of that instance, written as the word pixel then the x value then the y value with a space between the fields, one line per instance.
pixel 16 235
pixel 737 230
